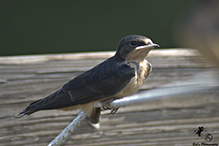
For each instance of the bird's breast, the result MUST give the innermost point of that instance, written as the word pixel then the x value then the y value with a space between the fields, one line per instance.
pixel 141 74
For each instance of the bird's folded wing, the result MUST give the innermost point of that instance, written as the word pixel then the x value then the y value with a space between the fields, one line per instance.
pixel 102 81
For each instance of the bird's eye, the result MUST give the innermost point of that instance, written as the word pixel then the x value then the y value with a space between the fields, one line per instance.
pixel 133 43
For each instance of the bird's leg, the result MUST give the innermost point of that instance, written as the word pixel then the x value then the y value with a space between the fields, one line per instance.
pixel 106 105
pixel 94 118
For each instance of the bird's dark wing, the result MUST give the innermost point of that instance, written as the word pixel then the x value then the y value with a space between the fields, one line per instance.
pixel 104 80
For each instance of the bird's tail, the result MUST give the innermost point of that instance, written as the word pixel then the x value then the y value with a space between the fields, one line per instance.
pixel 58 99
pixel 28 110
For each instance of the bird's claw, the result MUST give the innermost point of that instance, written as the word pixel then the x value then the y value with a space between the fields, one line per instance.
pixel 106 105
pixel 114 111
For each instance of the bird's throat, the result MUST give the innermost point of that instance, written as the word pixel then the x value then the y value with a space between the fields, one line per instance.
pixel 138 55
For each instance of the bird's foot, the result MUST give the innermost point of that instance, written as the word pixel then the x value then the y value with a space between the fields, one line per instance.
pixel 106 105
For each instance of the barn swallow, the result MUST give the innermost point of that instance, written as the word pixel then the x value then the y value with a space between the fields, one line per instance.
pixel 119 76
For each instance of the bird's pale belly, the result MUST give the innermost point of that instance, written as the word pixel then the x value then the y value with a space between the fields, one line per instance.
pixel 133 86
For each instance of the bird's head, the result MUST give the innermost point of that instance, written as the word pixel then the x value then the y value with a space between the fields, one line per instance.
pixel 134 48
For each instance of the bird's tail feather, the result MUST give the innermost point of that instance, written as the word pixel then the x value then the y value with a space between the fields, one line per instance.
pixel 29 110
pixel 25 112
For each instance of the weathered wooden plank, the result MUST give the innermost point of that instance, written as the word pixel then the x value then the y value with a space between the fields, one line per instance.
pixel 84 56
pixel 25 79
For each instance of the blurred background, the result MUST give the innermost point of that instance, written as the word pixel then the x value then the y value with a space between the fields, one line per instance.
pixel 52 26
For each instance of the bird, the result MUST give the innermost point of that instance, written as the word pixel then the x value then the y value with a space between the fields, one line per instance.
pixel 118 76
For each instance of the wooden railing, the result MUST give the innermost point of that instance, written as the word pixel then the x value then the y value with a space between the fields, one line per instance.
pixel 24 79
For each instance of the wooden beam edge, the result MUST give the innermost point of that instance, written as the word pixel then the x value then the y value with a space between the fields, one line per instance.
pixel 95 55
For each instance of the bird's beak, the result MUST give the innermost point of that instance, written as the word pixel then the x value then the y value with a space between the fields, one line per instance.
pixel 151 46
pixel 155 45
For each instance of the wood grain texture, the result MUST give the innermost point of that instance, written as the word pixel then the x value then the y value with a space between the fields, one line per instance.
pixel 23 80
